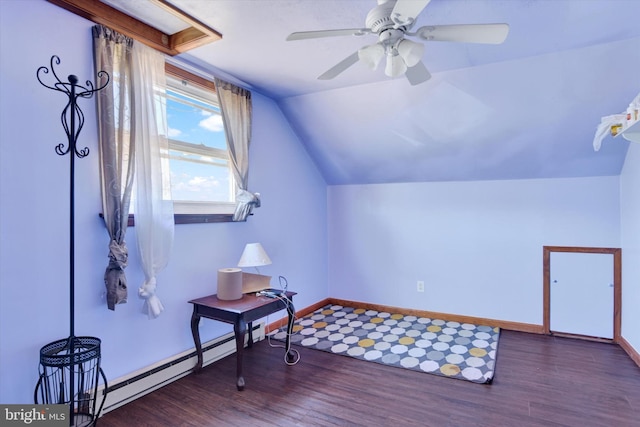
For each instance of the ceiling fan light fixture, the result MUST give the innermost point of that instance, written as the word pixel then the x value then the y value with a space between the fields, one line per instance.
pixel 395 66
pixel 371 55
pixel 410 51
pixel 391 21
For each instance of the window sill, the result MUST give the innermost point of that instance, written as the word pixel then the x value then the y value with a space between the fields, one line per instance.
pixel 190 218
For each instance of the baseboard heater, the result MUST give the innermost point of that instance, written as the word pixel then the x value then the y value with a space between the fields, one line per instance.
pixel 132 386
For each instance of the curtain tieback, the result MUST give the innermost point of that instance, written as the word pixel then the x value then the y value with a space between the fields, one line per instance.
pixel 152 306
pixel 245 202
pixel 148 288
pixel 118 255
pixel 245 196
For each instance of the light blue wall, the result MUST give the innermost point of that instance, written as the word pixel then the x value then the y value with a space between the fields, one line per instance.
pixel 476 245
pixel 630 214
pixel 34 217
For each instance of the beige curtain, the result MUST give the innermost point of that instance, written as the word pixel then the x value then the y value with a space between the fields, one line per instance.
pixel 113 54
pixel 132 140
pixel 236 109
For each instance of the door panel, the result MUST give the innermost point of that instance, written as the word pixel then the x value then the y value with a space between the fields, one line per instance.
pixel 582 293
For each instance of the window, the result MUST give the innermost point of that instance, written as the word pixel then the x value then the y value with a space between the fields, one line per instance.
pixel 203 187
pixel 201 177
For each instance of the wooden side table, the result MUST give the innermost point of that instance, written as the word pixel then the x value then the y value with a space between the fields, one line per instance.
pixel 241 313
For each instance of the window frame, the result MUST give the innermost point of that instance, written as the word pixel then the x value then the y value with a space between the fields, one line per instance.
pixel 194 215
pixel 191 218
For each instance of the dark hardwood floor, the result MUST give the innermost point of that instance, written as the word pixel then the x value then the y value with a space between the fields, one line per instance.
pixel 540 381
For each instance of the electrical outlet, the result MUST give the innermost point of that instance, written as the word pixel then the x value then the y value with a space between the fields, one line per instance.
pixel 420 287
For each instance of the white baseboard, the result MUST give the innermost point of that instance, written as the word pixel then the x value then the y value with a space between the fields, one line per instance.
pixel 132 386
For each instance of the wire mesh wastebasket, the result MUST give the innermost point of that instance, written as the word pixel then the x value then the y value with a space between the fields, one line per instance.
pixel 70 374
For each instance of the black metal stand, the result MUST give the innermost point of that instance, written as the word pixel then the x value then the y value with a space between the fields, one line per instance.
pixel 70 368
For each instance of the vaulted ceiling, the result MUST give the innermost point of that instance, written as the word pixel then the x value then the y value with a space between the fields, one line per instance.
pixel 527 108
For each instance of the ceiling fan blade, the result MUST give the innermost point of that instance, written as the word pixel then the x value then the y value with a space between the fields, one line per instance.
pixel 303 35
pixel 340 67
pixel 466 33
pixel 417 74
pixel 405 12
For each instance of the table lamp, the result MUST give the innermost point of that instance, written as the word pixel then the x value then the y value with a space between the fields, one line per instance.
pixel 254 255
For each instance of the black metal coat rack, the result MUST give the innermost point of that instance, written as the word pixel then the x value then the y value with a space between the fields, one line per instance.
pixel 70 368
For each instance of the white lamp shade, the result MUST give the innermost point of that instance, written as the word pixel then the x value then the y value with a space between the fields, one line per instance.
pixel 371 55
pixel 410 51
pixel 395 66
pixel 254 255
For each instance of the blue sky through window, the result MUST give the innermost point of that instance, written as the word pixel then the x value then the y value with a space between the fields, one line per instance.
pixel 196 176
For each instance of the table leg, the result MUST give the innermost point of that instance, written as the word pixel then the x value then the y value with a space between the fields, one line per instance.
pixel 291 313
pixel 250 331
pixel 195 320
pixel 240 330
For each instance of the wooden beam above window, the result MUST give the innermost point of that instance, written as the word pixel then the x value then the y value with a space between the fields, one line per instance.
pixel 192 78
pixel 197 34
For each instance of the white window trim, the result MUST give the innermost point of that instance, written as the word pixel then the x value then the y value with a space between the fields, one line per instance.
pixel 206 208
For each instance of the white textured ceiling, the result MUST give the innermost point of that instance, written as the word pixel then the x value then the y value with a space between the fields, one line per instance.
pixel 525 109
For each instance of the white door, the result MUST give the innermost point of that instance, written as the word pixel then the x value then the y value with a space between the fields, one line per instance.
pixel 581 294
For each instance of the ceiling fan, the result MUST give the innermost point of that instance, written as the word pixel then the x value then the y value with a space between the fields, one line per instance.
pixel 391 21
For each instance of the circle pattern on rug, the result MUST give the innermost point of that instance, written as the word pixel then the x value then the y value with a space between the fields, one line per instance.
pixel 448 348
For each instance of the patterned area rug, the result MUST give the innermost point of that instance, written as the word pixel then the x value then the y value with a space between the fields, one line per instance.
pixel 451 349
